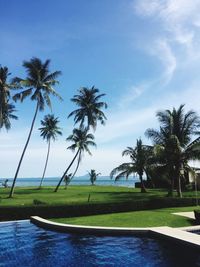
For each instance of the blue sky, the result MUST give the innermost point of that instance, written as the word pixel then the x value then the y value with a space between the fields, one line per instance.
pixel 144 54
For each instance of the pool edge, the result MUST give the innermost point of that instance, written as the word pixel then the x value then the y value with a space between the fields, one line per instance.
pixel 177 235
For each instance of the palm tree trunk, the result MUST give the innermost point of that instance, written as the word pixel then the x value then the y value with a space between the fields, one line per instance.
pixel 49 144
pixel 178 180
pixel 171 189
pixel 143 189
pixel 77 166
pixel 66 171
pixel 24 150
pixel 179 192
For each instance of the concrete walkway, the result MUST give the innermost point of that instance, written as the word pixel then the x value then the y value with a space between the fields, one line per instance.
pixel 178 235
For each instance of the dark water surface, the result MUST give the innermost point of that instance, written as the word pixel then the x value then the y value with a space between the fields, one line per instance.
pixel 24 244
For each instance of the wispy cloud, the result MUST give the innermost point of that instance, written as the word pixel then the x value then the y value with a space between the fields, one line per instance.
pixel 179 32
pixel 162 50
pixel 131 94
pixel 131 122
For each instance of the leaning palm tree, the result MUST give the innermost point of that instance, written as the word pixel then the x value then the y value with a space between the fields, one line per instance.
pixel 81 141
pixel 49 131
pixel 139 157
pixel 174 142
pixel 40 84
pixel 89 108
pixel 6 108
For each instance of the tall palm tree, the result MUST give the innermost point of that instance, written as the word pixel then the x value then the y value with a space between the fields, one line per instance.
pixel 139 157
pixel 49 131
pixel 93 176
pixel 174 142
pixel 81 141
pixel 6 108
pixel 40 84
pixel 89 111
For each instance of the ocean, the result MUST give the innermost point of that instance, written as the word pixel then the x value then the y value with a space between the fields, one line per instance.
pixel 101 180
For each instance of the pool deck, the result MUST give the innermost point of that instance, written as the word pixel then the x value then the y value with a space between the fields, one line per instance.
pixel 182 235
pixel 178 235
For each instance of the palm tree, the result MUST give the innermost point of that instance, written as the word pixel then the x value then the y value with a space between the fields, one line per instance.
pixel 40 84
pixel 173 141
pixel 67 179
pixel 89 110
pixel 139 161
pixel 7 114
pixel 81 141
pixel 93 176
pixel 6 108
pixel 49 132
pixel 4 89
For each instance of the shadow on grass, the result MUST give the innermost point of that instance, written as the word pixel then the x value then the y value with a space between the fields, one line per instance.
pixel 129 195
pixel 192 221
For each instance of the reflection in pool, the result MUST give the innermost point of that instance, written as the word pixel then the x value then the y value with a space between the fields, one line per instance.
pixel 24 244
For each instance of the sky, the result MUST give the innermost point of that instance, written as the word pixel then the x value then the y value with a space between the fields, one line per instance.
pixel 143 54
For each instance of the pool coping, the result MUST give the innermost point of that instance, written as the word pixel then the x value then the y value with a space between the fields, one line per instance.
pixel 182 235
pixel 62 227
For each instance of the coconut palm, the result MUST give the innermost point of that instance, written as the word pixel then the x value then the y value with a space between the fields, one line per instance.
pixel 93 176
pixel 39 86
pixel 67 179
pixel 173 141
pixel 139 156
pixel 89 111
pixel 7 114
pixel 49 131
pixel 81 141
pixel 6 108
pixel 4 89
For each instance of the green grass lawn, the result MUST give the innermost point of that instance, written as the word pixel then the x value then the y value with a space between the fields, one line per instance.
pixel 79 195
pixel 150 218
pixel 76 195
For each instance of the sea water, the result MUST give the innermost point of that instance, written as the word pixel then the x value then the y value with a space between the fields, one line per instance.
pixel 102 180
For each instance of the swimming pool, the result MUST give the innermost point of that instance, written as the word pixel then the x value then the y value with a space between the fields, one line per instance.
pixel 23 244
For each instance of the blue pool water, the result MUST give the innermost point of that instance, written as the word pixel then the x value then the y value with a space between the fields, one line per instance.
pixel 23 244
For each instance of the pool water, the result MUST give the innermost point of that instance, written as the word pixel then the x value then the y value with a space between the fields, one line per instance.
pixel 23 244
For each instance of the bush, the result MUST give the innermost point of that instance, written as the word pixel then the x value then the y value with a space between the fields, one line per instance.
pixel 38 202
pixel 59 211
pixel 197 215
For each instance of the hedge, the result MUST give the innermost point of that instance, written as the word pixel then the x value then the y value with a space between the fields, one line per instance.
pixel 197 215
pixel 47 211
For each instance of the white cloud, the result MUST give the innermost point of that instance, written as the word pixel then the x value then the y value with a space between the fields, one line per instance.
pixel 127 122
pixel 179 18
pixel 163 51
pixel 131 94
pixel 178 36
